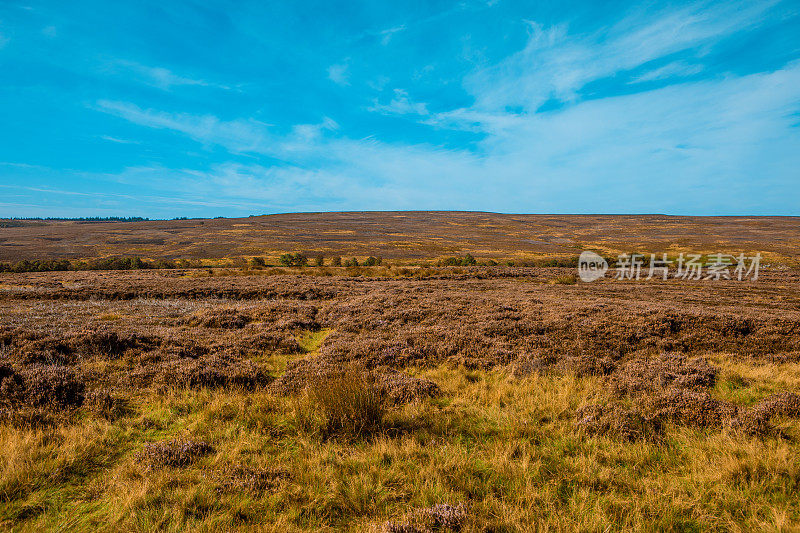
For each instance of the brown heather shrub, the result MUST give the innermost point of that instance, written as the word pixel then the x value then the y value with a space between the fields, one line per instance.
pixel 441 517
pixel 528 364
pixel 174 453
pixel 48 351
pixel 108 342
pixel 302 373
pixel 12 391
pixel 410 322
pixel 256 480
pixel 400 388
pixel 281 342
pixel 66 349
pixel 53 386
pixel 653 374
pixel 783 403
pixel 689 407
pixel 752 423
pixel 589 365
pixel 151 285
pixel 212 371
pixel 287 316
pixel 106 404
pixel 617 421
pixel 218 318
pixel 757 421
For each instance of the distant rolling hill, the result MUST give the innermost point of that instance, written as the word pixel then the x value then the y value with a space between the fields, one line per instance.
pixel 402 235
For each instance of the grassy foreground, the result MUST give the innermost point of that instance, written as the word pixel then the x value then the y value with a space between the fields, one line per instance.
pixel 507 447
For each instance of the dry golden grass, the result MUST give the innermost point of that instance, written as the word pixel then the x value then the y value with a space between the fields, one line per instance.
pixel 508 447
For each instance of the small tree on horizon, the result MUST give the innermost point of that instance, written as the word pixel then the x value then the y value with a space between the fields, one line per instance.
pixel 293 260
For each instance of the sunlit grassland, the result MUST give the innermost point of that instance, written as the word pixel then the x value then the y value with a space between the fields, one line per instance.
pixel 509 447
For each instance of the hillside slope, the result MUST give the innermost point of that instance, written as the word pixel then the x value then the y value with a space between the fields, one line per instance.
pixel 403 235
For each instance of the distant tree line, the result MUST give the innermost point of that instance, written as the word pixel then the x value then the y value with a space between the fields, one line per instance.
pixel 296 259
pixel 467 260
pixel 106 263
pixel 82 219
pixel 299 259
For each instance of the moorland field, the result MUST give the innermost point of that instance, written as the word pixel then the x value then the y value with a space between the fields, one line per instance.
pixel 407 235
pixel 401 397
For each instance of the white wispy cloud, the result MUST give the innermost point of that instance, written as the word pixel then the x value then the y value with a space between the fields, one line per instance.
pixel 339 73
pixel 117 140
pixel 238 135
pixel 160 77
pixel 387 34
pixel 400 104
pixel 670 70
pixel 556 63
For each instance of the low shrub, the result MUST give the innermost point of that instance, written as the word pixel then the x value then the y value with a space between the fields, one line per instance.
pixel 439 517
pixel 617 421
pixel 12 391
pixel 347 402
pixel 219 318
pixel 655 374
pixel 690 408
pixel 401 388
pixel 213 371
pixel 255 480
pixel 103 403
pixel 53 386
pixel 174 453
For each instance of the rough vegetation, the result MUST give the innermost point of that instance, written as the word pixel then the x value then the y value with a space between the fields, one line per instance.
pixel 174 453
pixel 493 399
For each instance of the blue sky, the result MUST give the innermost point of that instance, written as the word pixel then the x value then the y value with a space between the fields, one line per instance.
pixel 213 108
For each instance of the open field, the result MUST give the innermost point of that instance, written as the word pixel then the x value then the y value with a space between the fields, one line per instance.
pixel 478 399
pixel 403 236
